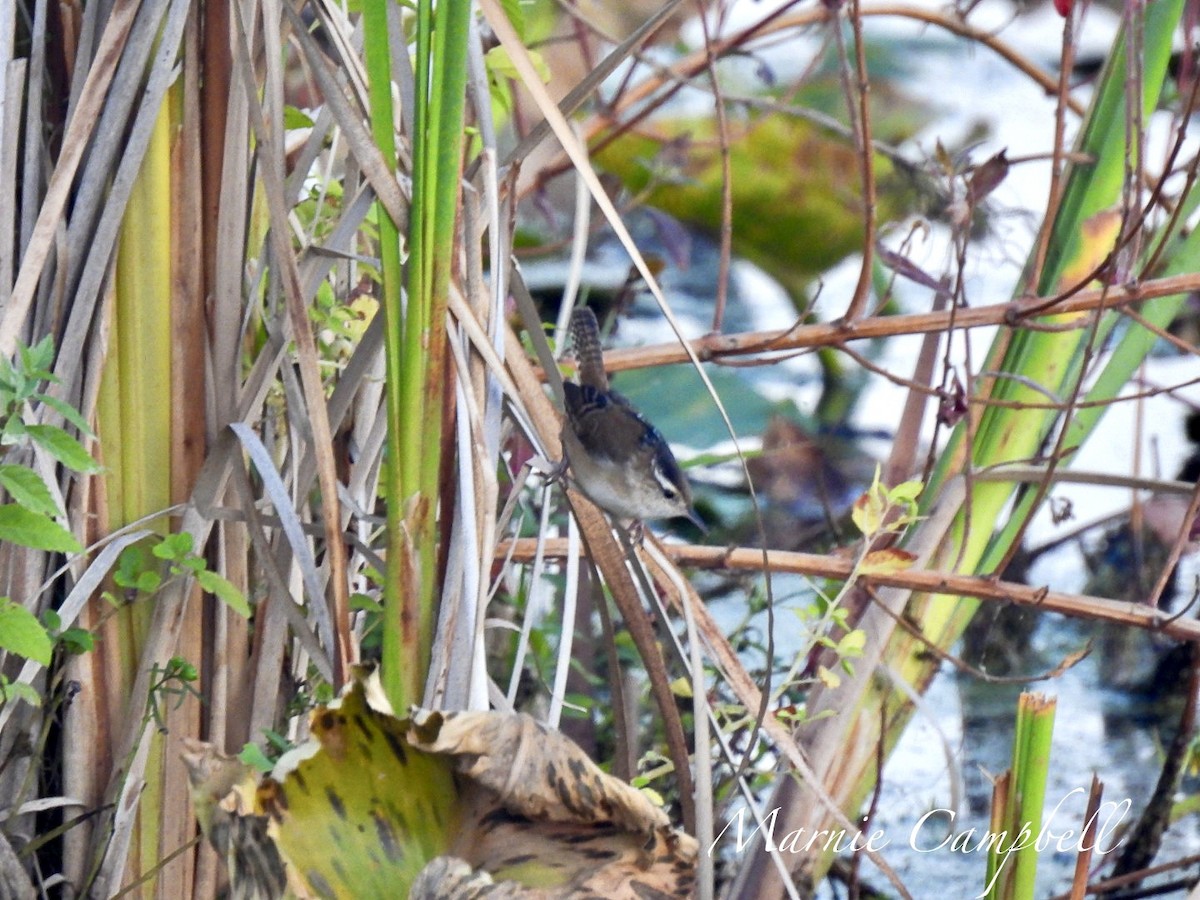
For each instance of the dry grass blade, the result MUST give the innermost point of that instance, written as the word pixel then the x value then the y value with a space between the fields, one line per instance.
pixel 503 371
pixel 270 154
pixel 33 173
pixel 457 677
pixel 387 189
pixel 301 551
pixel 537 601
pixel 701 714
pixel 75 141
pixel 15 72
pixel 281 500
pixel 569 606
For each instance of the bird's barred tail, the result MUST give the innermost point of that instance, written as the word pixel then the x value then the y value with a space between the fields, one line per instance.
pixel 585 338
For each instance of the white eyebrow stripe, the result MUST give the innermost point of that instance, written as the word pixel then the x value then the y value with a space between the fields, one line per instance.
pixel 667 483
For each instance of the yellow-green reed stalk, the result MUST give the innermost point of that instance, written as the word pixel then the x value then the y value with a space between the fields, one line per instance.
pixel 1051 360
pixel 415 331
pixel 134 426
pixel 1084 231
pixel 1012 860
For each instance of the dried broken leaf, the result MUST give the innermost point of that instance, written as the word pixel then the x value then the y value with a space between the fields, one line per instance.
pixel 565 821
pixel 886 561
pixel 223 793
pixel 451 878
pixel 457 805
pixel 986 177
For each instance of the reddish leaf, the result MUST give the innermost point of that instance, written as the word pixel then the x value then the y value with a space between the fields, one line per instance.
pixel 987 177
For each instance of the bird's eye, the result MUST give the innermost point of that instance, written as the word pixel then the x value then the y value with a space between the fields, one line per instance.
pixel 670 490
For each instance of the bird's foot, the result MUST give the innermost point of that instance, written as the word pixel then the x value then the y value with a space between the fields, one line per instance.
pixel 637 532
pixel 558 473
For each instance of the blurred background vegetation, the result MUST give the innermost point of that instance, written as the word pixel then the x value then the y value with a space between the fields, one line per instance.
pixel 279 292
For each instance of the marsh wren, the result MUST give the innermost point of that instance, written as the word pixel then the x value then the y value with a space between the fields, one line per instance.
pixel 618 459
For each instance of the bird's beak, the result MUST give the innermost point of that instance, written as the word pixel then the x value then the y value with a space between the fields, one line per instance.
pixel 696 520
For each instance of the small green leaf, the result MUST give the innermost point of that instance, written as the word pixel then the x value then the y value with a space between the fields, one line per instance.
pixel 225 591
pixel 147 582
pixel 324 693
pixel 68 412
pixel 78 641
pixel 295 118
pixel 26 487
pixel 191 564
pixel 907 490
pixel 853 643
pixel 793 714
pixel 828 677
pixel 136 570
pixel 19 691
pixel 38 359
pixel 500 64
pixel 365 603
pixel 174 546
pixel 280 742
pixel 867 512
pixel 30 529
pixel 23 634
pixel 180 669
pixel 654 796
pixel 63 447
pixel 129 564
pixel 681 687
pixel 13 429
pixel 253 756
